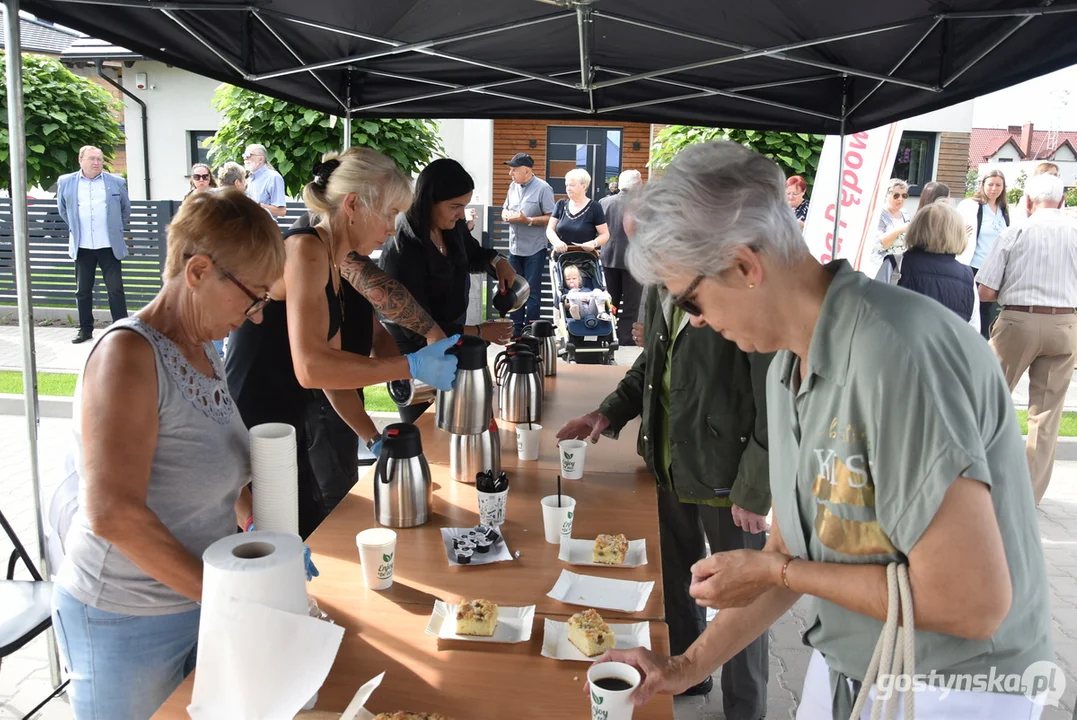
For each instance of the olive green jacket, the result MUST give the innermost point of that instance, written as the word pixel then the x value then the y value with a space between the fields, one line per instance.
pixel 717 408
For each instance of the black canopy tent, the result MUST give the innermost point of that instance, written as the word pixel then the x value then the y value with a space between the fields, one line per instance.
pixel 776 64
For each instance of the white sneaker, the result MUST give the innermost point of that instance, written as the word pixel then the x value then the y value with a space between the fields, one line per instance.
pixel 574 311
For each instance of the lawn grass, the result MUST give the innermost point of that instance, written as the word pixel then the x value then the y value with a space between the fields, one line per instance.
pixel 1067 429
pixel 63 385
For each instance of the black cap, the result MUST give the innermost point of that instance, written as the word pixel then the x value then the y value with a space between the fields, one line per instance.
pixel 401 441
pixel 470 351
pixel 521 159
pixel 522 361
pixel 542 328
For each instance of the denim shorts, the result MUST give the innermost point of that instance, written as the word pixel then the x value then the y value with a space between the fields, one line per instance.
pixel 122 667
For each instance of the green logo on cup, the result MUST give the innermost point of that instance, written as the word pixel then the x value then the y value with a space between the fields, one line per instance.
pixel 387 558
pixel 569 456
pixel 569 514
pixel 597 700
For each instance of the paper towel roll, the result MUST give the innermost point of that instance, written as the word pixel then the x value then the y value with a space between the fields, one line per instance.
pixel 260 654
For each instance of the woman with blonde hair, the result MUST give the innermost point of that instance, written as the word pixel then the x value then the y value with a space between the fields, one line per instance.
pixel 577 220
pixel 930 267
pixel 162 459
pixel 202 178
pixel 273 367
pixel 986 216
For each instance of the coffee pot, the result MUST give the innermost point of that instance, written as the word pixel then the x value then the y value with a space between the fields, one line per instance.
pixel 468 407
pixel 512 298
pixel 521 393
pixel 470 455
pixel 403 492
pixel 543 330
pixel 410 392
pixel 501 362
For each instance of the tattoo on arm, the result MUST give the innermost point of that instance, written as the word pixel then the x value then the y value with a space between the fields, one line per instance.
pixel 390 299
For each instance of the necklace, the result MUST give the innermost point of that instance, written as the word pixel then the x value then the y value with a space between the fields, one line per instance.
pixel 438 240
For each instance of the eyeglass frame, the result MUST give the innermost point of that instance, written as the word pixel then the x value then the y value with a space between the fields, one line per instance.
pixel 685 303
pixel 903 196
pixel 201 176
pixel 257 303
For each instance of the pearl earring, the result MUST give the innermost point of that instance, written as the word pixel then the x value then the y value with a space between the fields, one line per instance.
pixel 751 286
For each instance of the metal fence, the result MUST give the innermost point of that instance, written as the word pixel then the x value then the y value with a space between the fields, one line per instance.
pixel 496 235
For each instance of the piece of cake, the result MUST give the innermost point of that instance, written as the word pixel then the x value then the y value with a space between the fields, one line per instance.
pixel 401 715
pixel 590 633
pixel 478 617
pixel 610 549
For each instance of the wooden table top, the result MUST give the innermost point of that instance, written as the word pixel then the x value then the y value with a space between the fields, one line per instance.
pixel 469 680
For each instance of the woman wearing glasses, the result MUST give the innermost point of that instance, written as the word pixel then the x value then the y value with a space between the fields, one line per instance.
pixel 892 439
pixel 202 178
pixel 162 458
pixel 273 366
pixel 987 215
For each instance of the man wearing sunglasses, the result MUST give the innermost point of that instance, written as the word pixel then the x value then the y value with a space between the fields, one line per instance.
pixel 704 436
pixel 265 186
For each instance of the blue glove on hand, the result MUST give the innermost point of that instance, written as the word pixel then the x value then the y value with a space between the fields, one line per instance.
pixel 375 449
pixel 432 366
pixel 311 568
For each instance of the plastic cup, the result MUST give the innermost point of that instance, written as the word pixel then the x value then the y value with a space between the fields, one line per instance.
pixel 612 704
pixel 573 456
pixel 557 521
pixel 377 555
pixel 527 441
pixel 492 507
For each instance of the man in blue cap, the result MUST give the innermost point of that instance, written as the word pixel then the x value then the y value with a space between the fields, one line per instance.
pixel 527 209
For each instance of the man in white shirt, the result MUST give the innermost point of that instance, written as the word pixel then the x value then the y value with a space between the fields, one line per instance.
pixel 96 208
pixel 265 186
pixel 1032 272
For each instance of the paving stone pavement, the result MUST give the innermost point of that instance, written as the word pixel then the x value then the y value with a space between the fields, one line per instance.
pixel 24 676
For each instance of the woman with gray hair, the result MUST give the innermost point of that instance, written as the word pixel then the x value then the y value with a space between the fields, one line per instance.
pixel 892 439
pixel 577 220
pixel 232 174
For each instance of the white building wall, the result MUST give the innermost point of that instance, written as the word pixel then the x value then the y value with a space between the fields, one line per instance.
pixel 177 103
pixel 1067 171
pixel 471 143
pixel 1007 152
pixel 956 118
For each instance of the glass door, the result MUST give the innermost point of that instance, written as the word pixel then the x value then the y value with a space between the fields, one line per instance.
pixel 594 149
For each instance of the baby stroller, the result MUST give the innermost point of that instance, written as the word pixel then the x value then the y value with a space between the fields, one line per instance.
pixel 578 342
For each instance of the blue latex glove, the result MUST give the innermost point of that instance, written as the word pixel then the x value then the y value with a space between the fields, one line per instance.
pixel 311 568
pixel 432 366
pixel 375 449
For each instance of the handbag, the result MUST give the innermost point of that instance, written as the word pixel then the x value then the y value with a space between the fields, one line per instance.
pixel 894 652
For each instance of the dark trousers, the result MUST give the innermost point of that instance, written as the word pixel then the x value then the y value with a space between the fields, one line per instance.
pixel 328 460
pixel 989 312
pixel 530 266
pixel 85 269
pixel 626 294
pixel 682 526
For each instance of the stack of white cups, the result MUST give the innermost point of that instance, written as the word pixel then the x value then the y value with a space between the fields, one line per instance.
pixel 274 477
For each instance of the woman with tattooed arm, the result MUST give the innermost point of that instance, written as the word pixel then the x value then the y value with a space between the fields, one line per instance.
pixel 272 367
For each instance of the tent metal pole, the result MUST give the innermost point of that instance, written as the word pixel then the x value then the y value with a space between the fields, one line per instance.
pixel 897 66
pixel 841 161
pixel 987 51
pixel 584 27
pixel 155 5
pixel 16 122
pixel 454 89
pixel 347 130
pixel 226 60
pixel 298 59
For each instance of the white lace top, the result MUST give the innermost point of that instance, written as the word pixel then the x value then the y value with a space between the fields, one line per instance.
pixel 201 461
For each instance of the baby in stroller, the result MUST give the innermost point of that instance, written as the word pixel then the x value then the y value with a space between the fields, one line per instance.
pixel 590 306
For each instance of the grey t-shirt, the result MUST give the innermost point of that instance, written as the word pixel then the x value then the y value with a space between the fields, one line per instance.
pixel 200 463
pixel 534 199
pixel 902 397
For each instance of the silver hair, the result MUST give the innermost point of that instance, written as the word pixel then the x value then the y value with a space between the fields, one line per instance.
pixel 713 199
pixel 229 173
pixel 580 175
pixel 257 149
pixel 629 179
pixel 1045 188
pixel 895 183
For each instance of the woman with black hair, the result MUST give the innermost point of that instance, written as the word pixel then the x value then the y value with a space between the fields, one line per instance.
pixel 433 255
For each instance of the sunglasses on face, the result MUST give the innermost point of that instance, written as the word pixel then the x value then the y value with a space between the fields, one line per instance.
pixel 903 196
pixel 685 302
pixel 199 176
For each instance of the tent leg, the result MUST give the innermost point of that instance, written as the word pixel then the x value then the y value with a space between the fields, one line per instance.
pixel 16 122
pixel 841 160
pixel 347 130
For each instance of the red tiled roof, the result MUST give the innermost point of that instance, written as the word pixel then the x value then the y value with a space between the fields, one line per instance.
pixel 985 142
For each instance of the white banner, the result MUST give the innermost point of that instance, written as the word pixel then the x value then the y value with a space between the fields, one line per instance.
pixel 858 187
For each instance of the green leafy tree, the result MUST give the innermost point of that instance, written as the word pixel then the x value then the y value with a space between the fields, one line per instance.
pixel 1015 193
pixel 1071 197
pixel 63 112
pixel 972 182
pixel 795 153
pixel 296 137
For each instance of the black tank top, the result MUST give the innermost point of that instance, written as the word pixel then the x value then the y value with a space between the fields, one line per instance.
pixel 258 364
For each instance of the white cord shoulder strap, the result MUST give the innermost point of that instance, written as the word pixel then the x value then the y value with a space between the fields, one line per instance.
pixel 895 650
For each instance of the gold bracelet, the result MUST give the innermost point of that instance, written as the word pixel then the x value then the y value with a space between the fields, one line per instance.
pixel 785 567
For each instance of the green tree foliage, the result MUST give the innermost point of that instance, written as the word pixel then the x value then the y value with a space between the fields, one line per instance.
pixel 795 153
pixel 1015 193
pixel 296 138
pixel 63 112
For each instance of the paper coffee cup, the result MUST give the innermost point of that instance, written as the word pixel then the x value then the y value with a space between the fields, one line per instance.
pixel 557 521
pixel 377 555
pixel 527 441
pixel 573 454
pixel 616 703
pixel 492 507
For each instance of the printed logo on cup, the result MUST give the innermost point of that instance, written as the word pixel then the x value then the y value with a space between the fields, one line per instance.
pixel 566 527
pixel 568 462
pixel 385 570
pixel 598 713
pixel 519 442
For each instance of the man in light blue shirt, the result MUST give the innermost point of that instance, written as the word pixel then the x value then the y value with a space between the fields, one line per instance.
pixel 527 209
pixel 265 186
pixel 96 207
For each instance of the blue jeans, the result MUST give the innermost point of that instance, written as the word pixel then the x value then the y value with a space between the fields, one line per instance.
pixel 122 667
pixel 530 266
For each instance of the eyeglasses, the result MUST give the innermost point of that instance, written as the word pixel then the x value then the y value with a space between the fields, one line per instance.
pixel 686 302
pixel 257 303
pixel 903 196
pixel 248 156
pixel 199 176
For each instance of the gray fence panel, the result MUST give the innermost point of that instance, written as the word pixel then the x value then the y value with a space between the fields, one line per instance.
pixel 496 236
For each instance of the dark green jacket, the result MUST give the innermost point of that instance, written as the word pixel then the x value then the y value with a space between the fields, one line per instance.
pixel 717 407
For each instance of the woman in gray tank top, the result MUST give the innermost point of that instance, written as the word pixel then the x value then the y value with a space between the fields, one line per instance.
pixel 163 462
